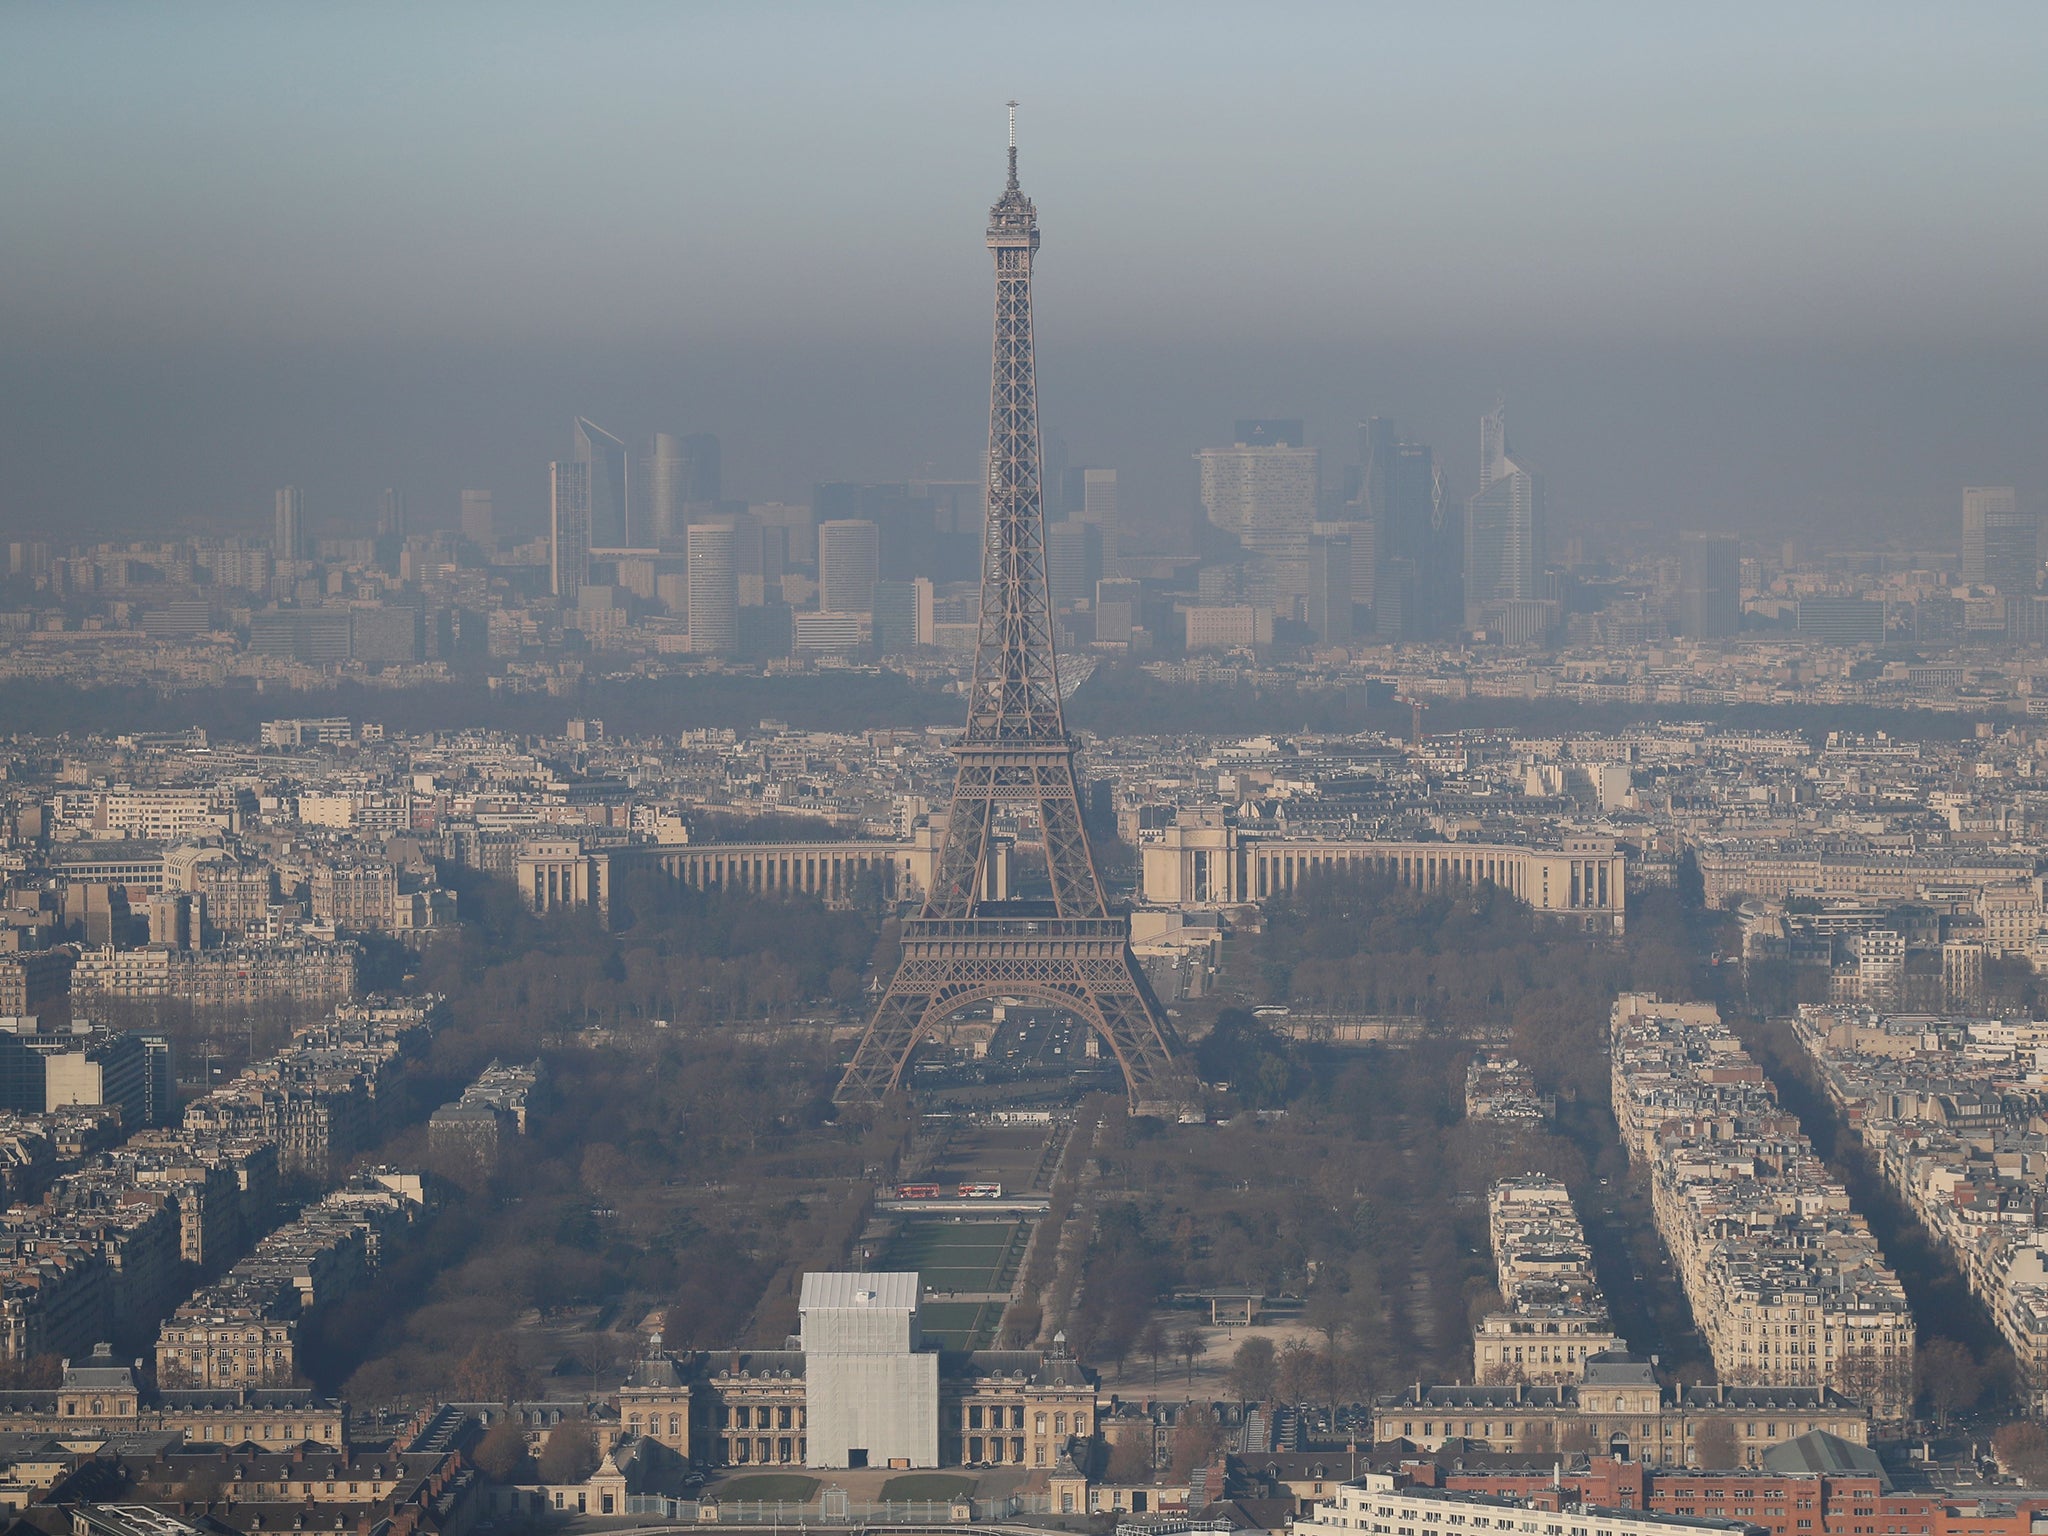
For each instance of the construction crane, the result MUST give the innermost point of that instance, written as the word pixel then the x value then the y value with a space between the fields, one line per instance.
pixel 1415 709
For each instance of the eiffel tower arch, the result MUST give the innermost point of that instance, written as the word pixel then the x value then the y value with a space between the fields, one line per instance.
pixel 1070 952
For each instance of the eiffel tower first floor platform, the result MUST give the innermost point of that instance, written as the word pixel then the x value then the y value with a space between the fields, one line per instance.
pixel 1082 965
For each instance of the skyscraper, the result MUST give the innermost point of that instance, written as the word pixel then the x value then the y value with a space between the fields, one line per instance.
pixel 568 528
pixel 1329 587
pixel 903 616
pixel 288 535
pixel 606 488
pixel 1709 585
pixel 703 477
pixel 849 564
pixel 714 590
pixel 662 474
pixel 2001 544
pixel 676 481
pixel 1263 490
pixel 1073 561
pixel 479 519
pixel 1493 443
pixel 391 522
pixel 1398 491
pixel 1095 503
pixel 1503 527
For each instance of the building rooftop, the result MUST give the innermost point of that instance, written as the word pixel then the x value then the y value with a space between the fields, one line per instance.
pixel 895 1291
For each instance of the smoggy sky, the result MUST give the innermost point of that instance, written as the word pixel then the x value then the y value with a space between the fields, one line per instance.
pixel 1754 266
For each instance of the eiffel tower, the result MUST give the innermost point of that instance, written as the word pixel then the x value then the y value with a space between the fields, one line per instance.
pixel 1069 953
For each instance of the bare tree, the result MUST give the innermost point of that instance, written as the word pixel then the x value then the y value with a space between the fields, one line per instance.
pixel 1714 1447
pixel 2022 1451
pixel 1154 1345
pixel 1253 1368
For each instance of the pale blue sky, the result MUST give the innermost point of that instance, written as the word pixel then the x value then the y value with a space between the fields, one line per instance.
pixel 729 194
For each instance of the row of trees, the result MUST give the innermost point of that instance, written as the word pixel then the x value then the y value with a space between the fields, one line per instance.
pixel 1363 1199
pixel 677 1168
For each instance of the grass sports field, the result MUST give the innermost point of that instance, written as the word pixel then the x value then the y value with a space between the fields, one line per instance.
pixel 959 1255
pixel 961 1324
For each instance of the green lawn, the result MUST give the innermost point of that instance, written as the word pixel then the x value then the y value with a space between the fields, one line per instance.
pixel 959 1256
pixel 926 1485
pixel 961 1324
pixel 772 1487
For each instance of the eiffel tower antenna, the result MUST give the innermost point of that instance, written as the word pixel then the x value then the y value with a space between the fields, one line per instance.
pixel 971 943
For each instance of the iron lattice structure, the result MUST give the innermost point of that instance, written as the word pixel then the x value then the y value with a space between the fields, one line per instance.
pixel 1070 953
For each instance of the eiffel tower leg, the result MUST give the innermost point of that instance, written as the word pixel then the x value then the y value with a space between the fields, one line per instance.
pixel 884 1049
pixel 1068 862
pixel 957 874
pixel 1145 1043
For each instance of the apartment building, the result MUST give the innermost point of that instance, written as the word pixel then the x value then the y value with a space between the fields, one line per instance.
pixel 1784 1278
pixel 1554 1318
pixel 1390 1504
pixel 1945 1108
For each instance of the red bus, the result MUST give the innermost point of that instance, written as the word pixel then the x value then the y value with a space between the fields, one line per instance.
pixel 917 1191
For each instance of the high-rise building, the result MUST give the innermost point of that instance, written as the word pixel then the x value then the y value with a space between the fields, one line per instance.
pixel 849 564
pixel 662 474
pixel 2001 544
pixel 568 528
pixel 714 590
pixel 1263 490
pixel 1090 496
pixel 1503 528
pixel 1404 578
pixel 1329 587
pixel 679 482
pixel 1098 497
pixel 1119 608
pixel 1073 561
pixel 391 522
pixel 703 476
pixel 479 519
pixel 903 615
pixel 1709 586
pixel 1493 443
pixel 288 537
pixel 606 486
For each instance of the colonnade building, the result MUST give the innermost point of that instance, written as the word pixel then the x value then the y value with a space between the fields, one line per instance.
pixel 558 873
pixel 1205 860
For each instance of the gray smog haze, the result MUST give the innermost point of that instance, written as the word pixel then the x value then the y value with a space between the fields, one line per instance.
pixel 1758 267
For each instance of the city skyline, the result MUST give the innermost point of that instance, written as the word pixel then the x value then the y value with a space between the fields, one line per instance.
pixel 1851 362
